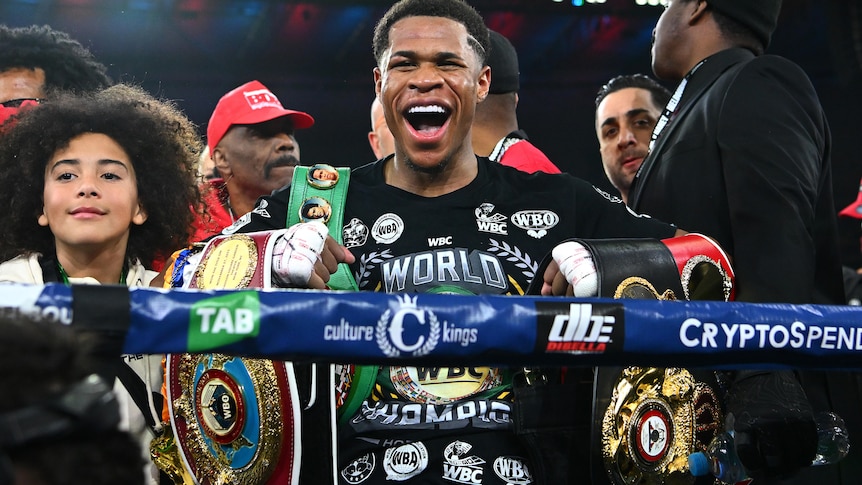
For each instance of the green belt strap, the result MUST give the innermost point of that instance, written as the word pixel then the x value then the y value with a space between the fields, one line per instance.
pixel 302 190
pixel 335 193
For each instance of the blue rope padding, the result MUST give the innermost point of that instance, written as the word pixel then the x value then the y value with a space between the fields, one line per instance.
pixel 377 328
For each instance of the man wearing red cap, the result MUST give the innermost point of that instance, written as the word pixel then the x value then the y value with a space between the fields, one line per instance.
pixel 853 278
pixel 250 136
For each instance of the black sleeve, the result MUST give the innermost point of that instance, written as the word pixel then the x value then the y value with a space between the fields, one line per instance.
pixel 773 180
pixel 601 215
pixel 269 213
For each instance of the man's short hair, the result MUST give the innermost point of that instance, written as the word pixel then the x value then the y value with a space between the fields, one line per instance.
pixel 68 65
pixel 456 10
pixel 660 95
pixel 746 23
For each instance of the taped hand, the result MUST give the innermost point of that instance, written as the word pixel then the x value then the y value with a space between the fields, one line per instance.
pixel 572 272
pixel 296 253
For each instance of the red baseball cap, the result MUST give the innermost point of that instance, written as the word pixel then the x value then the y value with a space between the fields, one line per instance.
pixel 854 210
pixel 249 104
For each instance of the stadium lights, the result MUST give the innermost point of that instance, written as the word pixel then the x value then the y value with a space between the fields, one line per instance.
pixel 580 3
pixel 645 3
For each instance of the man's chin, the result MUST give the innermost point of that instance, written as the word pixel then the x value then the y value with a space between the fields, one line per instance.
pixel 279 177
pixel 280 171
pixel 428 168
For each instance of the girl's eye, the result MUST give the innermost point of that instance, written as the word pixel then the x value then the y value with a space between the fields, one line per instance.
pixel 110 176
pixel 65 176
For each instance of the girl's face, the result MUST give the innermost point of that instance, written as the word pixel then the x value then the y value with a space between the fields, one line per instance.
pixel 91 197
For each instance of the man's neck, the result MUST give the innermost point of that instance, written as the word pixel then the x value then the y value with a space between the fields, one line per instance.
pixel 457 174
pixel 240 202
pixel 490 125
pixel 710 46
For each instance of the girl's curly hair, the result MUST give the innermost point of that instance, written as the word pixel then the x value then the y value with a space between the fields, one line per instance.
pixel 163 146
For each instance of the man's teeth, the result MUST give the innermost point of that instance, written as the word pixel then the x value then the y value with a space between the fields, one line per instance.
pixel 427 109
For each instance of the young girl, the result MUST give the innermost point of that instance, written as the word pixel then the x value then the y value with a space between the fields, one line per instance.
pixel 95 188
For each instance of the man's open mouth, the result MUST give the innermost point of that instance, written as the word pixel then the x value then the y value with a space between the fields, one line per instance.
pixel 427 120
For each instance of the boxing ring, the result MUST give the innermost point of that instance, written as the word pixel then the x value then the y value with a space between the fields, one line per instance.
pixel 377 328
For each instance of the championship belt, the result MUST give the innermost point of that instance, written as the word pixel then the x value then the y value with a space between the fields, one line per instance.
pixel 235 420
pixel 655 417
pixel 690 267
pixel 319 193
pixel 236 261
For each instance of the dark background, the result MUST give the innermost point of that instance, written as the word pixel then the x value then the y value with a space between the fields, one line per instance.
pixel 316 57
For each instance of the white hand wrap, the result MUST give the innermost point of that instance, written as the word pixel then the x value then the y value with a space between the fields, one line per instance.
pixel 295 252
pixel 576 264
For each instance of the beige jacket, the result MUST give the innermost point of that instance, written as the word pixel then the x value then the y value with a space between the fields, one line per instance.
pixel 26 269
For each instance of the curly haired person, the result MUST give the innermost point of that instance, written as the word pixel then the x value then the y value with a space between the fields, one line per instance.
pixel 97 187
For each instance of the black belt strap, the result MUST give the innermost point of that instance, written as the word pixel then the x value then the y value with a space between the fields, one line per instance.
pixel 103 311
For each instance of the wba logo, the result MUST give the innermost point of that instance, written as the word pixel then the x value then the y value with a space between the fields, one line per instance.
pixel 405 461
pixel 580 328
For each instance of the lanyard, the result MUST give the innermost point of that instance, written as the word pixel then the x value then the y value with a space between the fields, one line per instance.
pixel 65 276
pixel 670 109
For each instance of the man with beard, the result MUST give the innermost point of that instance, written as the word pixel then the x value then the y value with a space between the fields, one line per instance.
pixel 251 138
pixel 436 218
pixel 627 109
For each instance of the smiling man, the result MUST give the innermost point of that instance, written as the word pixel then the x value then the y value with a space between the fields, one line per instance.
pixel 437 218
pixel 251 138
pixel 627 109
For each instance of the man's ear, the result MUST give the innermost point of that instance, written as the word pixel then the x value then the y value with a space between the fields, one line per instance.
pixel 484 83
pixel 378 81
pixel 375 146
pixel 698 12
pixel 220 162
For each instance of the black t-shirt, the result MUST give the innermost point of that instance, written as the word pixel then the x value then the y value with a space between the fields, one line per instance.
pixel 438 425
pixel 488 237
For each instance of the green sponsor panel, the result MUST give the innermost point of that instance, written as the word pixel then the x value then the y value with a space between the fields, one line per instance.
pixel 223 320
